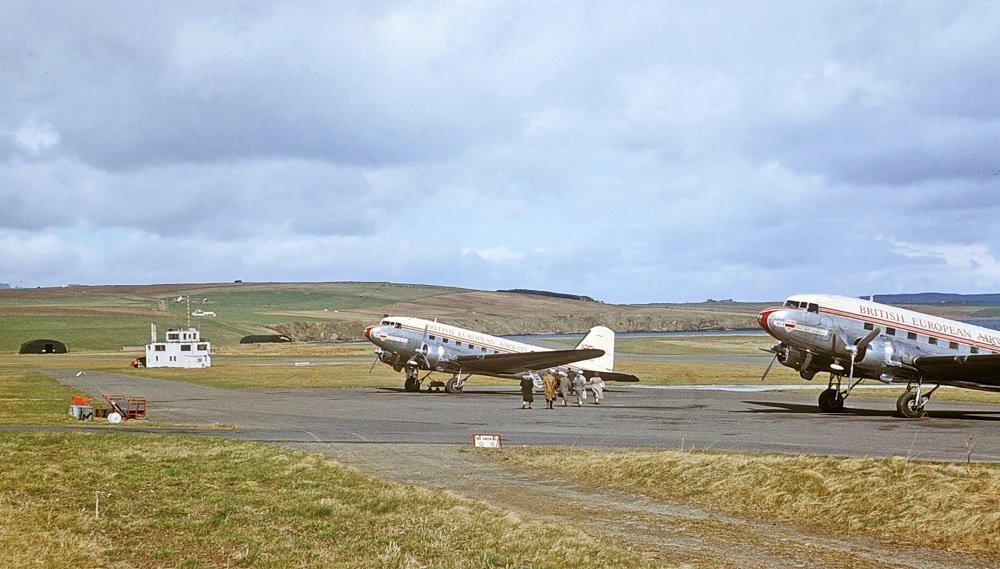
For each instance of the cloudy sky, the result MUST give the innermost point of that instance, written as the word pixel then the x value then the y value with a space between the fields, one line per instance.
pixel 630 151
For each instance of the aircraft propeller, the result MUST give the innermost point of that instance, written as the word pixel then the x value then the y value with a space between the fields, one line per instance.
pixel 856 348
pixel 774 350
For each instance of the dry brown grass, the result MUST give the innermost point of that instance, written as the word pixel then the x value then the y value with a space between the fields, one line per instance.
pixel 946 506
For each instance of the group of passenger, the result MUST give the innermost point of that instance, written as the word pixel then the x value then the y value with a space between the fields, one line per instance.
pixel 557 385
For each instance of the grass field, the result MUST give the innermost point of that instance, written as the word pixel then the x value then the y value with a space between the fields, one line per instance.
pixel 945 506
pixel 103 318
pixel 104 500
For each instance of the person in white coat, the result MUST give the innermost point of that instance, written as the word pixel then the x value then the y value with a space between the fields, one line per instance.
pixel 580 387
pixel 597 387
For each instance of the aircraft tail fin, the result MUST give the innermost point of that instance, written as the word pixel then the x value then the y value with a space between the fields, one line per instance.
pixel 602 338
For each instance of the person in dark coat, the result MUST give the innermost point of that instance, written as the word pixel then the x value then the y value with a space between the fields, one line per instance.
pixel 527 395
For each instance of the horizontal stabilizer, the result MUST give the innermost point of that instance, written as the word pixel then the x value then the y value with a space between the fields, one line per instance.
pixel 612 376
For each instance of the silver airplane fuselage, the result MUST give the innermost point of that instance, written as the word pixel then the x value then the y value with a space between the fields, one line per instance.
pixel 861 339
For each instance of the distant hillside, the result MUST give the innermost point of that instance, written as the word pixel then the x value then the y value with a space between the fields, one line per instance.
pixel 110 317
pixel 938 298
pixel 549 294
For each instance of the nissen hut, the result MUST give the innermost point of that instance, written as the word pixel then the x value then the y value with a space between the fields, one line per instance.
pixel 182 348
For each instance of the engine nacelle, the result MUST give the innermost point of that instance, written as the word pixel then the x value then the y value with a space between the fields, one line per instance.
pixel 795 358
pixel 885 359
pixel 433 357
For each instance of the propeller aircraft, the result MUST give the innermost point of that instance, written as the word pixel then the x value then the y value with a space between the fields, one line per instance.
pixel 413 345
pixel 855 340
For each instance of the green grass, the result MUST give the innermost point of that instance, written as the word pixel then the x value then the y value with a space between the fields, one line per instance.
pixel 100 318
pixel 941 505
pixel 721 345
pixel 105 500
pixel 30 398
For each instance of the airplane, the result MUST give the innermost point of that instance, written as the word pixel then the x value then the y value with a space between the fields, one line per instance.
pixel 414 345
pixel 855 340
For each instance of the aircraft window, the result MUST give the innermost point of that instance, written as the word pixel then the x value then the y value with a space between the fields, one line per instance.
pixel 813 307
pixel 483 348
pixel 471 347
pixel 385 322
pixel 890 331
pixel 445 340
pixel 397 325
pixel 932 340
pixel 911 335
pixel 457 343
pixel 869 326
pixel 432 337
pixel 791 304
pixel 953 345
pixel 973 350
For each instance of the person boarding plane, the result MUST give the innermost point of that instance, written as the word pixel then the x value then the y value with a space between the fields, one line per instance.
pixel 415 344
pixel 860 339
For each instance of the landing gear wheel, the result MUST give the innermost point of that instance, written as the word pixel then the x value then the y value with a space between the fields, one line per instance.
pixel 453 386
pixel 412 384
pixel 909 407
pixel 831 401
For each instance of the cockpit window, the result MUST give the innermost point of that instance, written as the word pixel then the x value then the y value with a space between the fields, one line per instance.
pixel 792 303
pixel 813 307
pixel 397 325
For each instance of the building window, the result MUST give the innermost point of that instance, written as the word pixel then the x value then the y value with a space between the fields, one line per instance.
pixel 160 348
pixel 202 347
pixel 172 336
pixel 185 347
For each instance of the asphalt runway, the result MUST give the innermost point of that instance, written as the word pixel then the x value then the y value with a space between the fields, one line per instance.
pixel 631 416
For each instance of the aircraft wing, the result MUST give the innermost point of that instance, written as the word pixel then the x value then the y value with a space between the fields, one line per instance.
pixel 980 368
pixel 524 361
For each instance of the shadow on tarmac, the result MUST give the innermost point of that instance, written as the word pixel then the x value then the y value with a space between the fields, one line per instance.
pixel 782 407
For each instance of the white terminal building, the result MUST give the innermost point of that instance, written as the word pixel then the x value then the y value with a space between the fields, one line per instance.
pixel 182 348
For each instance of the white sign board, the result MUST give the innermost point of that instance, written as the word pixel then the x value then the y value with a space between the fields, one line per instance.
pixel 486 441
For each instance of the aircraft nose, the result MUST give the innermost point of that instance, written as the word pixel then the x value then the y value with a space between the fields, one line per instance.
pixel 762 319
pixel 368 333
